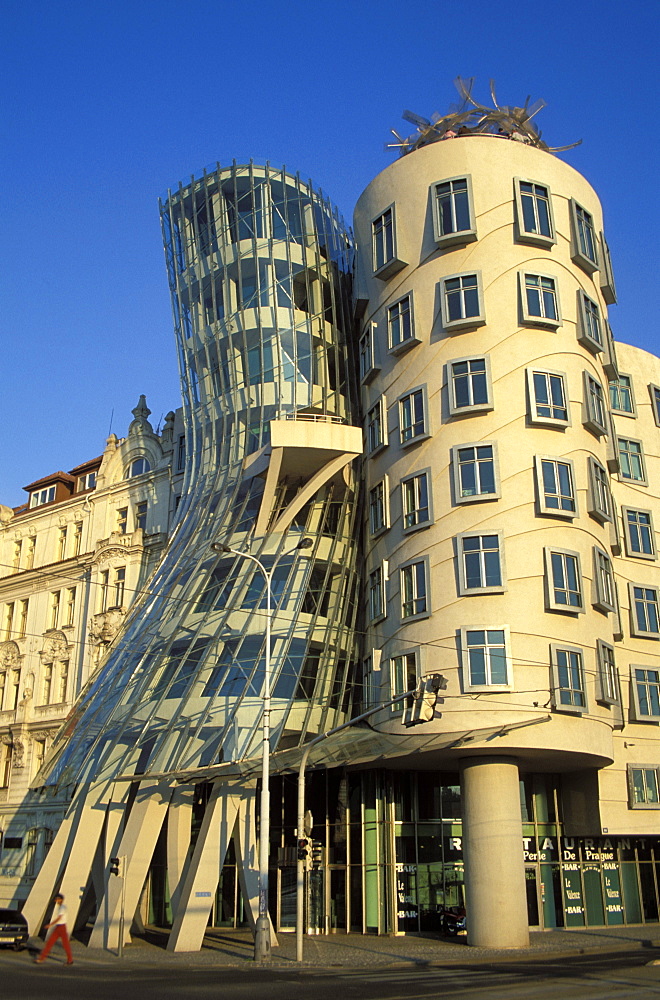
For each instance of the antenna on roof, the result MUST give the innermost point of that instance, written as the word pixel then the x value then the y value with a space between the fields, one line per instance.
pixel 112 413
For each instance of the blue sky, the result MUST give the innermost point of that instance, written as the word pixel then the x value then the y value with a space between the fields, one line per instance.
pixel 107 104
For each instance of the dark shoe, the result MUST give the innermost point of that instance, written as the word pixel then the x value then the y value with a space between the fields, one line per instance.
pixel 70 963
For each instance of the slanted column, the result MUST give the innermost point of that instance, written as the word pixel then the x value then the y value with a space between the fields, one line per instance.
pixel 495 892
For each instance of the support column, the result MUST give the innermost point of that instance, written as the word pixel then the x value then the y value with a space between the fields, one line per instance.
pixel 179 824
pixel 495 892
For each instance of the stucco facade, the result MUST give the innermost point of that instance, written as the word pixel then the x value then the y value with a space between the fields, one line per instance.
pixel 72 560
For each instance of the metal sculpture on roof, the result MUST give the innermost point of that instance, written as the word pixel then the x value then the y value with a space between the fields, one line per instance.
pixel 472 118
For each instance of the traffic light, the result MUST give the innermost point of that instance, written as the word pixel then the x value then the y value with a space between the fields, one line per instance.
pixel 117 867
pixel 317 854
pixel 303 850
pixel 425 698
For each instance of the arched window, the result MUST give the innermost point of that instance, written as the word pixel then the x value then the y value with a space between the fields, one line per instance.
pixel 138 467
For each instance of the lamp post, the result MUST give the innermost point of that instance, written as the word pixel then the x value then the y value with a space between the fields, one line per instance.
pixel 262 929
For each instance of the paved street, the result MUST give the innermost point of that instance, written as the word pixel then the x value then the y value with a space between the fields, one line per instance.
pixel 623 976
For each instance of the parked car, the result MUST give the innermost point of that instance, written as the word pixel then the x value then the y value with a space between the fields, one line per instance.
pixel 453 921
pixel 13 930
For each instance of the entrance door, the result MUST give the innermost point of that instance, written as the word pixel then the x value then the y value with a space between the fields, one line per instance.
pixel 533 900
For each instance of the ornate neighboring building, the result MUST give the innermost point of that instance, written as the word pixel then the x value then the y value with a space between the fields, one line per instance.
pixel 72 560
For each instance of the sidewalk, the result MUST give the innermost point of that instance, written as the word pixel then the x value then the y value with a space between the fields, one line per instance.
pixel 357 951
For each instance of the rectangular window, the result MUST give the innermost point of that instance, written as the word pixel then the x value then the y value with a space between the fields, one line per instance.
pixel 654 391
pixel 41 497
pixel 377 593
pixel 563 581
pixel 120 580
pixel 639 533
pixel 480 564
pixel 403 673
pixel 86 482
pixel 584 239
pixel 555 485
pixel 77 537
pixel 590 327
pixel 540 302
pixel 608 678
pixel 416 501
pixel 54 609
pixel 378 507
pixel 8 624
pixel 595 414
pixel 475 472
pixel 70 608
pixel 462 299
pixel 414 589
pixel 367 353
pixel 122 520
pixel 469 385
pixel 568 688
pixel 646 692
pixel 604 594
pixel 5 770
pixel 370 682
pixel 377 426
pixel 534 213
pixel 104 588
pixel 486 662
pixel 23 608
pixel 141 515
pixel 548 397
pixel 454 217
pixel 47 683
pixel 631 460
pixel 644 612
pixel 621 394
pixel 643 786
pixel 181 454
pixel 607 283
pixel 400 326
pixel 62 681
pixel 386 260
pixel 600 497
pixel 412 416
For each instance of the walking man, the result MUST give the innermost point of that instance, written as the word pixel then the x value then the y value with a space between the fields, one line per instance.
pixel 60 932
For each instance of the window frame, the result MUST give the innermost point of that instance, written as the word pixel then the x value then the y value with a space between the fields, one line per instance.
pixel 531 319
pixel 369 369
pixel 525 235
pixel 408 655
pixel 609 687
pixel 642 481
pixel 557 687
pixel 604 595
pixel 551 602
pixel 462 322
pixel 541 496
pixel 534 417
pixel 654 393
pixel 377 612
pixel 410 564
pixel 463 589
pixel 630 552
pixel 459 235
pixel 593 420
pixel 630 775
pixel 578 255
pixel 413 478
pixel 596 488
pixel 635 629
pixel 454 409
pixel 456 471
pixel 635 702
pixel 393 263
pixel 421 391
pixel 584 334
pixel 381 407
pixel 410 341
pixel 613 384
pixel 383 483
pixel 466 675
pixel 607 283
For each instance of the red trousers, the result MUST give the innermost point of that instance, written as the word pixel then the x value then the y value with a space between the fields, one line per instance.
pixel 59 931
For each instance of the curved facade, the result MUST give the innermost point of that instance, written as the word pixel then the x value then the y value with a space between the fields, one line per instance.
pixel 491 543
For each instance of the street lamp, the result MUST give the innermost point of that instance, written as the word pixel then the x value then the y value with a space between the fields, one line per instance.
pixel 262 930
